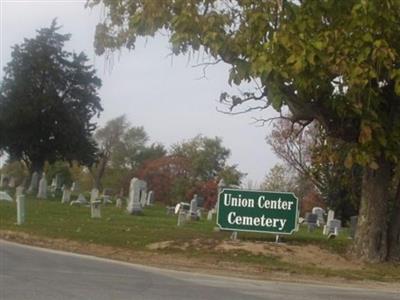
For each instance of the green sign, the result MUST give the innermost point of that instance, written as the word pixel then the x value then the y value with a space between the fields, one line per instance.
pixel 269 212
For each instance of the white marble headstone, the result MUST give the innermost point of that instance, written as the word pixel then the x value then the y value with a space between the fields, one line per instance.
pixel 42 193
pixel 33 187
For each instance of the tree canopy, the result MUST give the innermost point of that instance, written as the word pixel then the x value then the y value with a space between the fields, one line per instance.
pixel 48 98
pixel 208 159
pixel 336 62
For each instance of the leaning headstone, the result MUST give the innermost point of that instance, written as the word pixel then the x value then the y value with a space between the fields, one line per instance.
pixel 320 213
pixel 5 197
pixel 66 196
pixel 150 198
pixel 42 193
pixel 33 187
pixel 80 201
pixel 135 191
pixel 20 209
pixel 353 226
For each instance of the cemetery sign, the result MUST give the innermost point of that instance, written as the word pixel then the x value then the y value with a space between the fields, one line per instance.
pixel 257 211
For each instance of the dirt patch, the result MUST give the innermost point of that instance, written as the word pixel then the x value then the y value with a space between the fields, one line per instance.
pixel 307 255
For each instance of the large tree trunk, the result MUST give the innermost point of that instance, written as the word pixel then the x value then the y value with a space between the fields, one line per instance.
pixel 394 229
pixel 99 172
pixel 371 241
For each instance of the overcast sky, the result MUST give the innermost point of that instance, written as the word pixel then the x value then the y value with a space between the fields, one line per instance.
pixel 162 93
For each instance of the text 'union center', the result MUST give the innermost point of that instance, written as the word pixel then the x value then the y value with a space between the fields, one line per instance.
pixel 260 202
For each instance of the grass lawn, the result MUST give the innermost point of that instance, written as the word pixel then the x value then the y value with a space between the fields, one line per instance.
pixel 116 228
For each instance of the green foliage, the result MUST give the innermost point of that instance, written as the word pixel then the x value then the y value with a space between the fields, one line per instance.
pixel 48 97
pixel 126 146
pixel 280 179
pixel 333 61
pixel 208 159
pixel 123 149
pixel 63 169
pixel 16 169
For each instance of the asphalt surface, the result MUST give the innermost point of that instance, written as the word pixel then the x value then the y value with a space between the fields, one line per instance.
pixel 33 273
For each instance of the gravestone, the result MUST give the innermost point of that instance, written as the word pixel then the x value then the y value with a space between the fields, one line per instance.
pixel 58 181
pixel 75 187
pixel 331 215
pixel 2 179
pixel 94 194
pixel 353 226
pixel 95 204
pixel 200 201
pixel 20 209
pixel 143 194
pixel 80 201
pixel 182 206
pixel 193 211
pixel 95 209
pixel 193 204
pixel 118 203
pixel 170 210
pixel 182 217
pixel 150 198
pixel 333 227
pixel 320 213
pixel 210 214
pixel 33 187
pixel 53 184
pixel 311 220
pixel 107 199
pixel 42 193
pixel 136 189
pixel 66 196
pixel 4 196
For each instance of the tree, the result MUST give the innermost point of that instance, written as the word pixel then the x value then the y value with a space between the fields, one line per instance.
pixel 336 62
pixel 319 160
pixel 108 138
pixel 208 159
pixel 123 148
pixel 279 179
pixel 168 177
pixel 48 97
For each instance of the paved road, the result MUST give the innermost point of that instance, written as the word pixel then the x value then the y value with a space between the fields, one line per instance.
pixel 38 274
